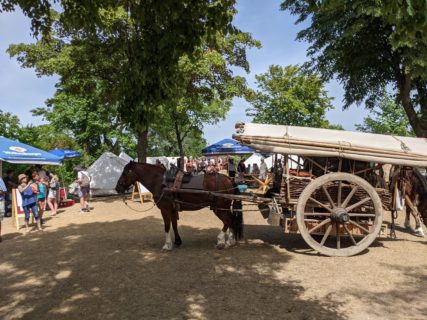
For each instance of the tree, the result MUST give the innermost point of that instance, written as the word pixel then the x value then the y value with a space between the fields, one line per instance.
pixel 369 45
pixel 165 144
pixel 289 96
pixel 133 48
pixel 208 87
pixel 388 118
pixel 9 125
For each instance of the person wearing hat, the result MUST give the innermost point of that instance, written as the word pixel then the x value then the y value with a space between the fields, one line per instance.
pixel 28 192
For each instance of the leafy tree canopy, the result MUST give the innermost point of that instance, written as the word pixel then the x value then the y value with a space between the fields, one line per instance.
pixel 131 54
pixel 289 96
pixel 10 125
pixel 387 118
pixel 369 45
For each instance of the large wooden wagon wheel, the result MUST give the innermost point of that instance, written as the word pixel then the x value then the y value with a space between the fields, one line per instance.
pixel 339 214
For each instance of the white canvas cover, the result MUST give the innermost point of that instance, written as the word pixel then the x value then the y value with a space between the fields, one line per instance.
pixel 105 173
pixel 334 143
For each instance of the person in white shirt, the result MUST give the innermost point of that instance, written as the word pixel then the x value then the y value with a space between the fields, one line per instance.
pixel 83 179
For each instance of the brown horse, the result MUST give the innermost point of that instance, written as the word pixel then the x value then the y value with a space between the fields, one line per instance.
pixel 154 177
pixel 414 185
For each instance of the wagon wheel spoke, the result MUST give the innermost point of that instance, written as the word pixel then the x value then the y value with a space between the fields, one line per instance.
pixel 364 215
pixel 349 196
pixel 321 224
pixel 322 214
pixel 339 193
pixel 325 236
pixel 358 204
pixel 359 226
pixel 328 196
pixel 320 204
pixel 337 230
pixel 350 235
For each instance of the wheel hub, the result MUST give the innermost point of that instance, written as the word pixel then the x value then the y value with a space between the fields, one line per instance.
pixel 340 215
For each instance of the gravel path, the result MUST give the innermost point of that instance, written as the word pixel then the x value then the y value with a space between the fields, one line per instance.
pixel 108 265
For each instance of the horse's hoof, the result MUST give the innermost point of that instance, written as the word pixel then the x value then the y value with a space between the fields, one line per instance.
pixel 419 233
pixel 220 246
pixel 167 247
pixel 177 243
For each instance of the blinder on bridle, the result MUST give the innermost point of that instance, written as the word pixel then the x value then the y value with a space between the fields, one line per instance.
pixel 128 176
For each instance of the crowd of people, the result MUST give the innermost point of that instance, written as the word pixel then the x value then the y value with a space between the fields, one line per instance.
pixel 39 190
pixel 222 164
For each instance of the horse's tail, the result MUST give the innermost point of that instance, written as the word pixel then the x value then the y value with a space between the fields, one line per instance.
pixel 237 216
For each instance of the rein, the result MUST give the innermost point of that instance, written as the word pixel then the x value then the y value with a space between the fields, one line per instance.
pixel 145 210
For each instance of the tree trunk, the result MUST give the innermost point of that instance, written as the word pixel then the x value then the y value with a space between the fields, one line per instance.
pixel 180 147
pixel 142 146
pixel 405 86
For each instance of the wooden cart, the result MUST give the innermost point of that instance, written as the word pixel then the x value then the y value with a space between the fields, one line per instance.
pixel 328 186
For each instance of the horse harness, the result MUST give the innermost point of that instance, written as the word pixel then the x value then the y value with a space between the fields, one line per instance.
pixel 176 179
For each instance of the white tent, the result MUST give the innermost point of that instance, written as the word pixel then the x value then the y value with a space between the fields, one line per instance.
pixel 105 173
pixel 126 157
pixel 254 158
pixel 163 160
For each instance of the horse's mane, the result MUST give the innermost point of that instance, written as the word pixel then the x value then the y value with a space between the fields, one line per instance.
pixel 152 166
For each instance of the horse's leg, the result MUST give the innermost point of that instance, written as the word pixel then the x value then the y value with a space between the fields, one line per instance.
pixel 166 214
pixel 231 239
pixel 407 222
pixel 418 226
pixel 410 208
pixel 221 238
pixel 178 241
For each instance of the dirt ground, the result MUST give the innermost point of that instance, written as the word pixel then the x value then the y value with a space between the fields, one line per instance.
pixel 108 265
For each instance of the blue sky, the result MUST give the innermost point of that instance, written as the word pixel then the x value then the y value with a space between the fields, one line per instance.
pixel 21 90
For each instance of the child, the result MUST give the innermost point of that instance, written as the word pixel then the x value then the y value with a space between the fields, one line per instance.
pixel 52 196
pixel 41 196
pixel 29 200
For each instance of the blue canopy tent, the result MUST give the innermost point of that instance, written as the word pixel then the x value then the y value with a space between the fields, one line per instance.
pixel 66 154
pixel 226 147
pixel 20 153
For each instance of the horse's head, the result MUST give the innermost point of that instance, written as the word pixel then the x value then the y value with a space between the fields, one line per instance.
pixel 128 178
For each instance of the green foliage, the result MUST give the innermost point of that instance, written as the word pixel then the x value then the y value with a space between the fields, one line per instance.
pixel 387 118
pixel 164 144
pixel 289 96
pixel 44 137
pixel 127 57
pixel 206 94
pixel 369 45
pixel 9 125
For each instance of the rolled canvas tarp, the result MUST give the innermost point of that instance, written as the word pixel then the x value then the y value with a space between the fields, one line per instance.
pixel 315 142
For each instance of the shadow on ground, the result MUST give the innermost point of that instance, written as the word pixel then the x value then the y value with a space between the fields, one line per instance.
pixel 115 270
pixel 400 299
